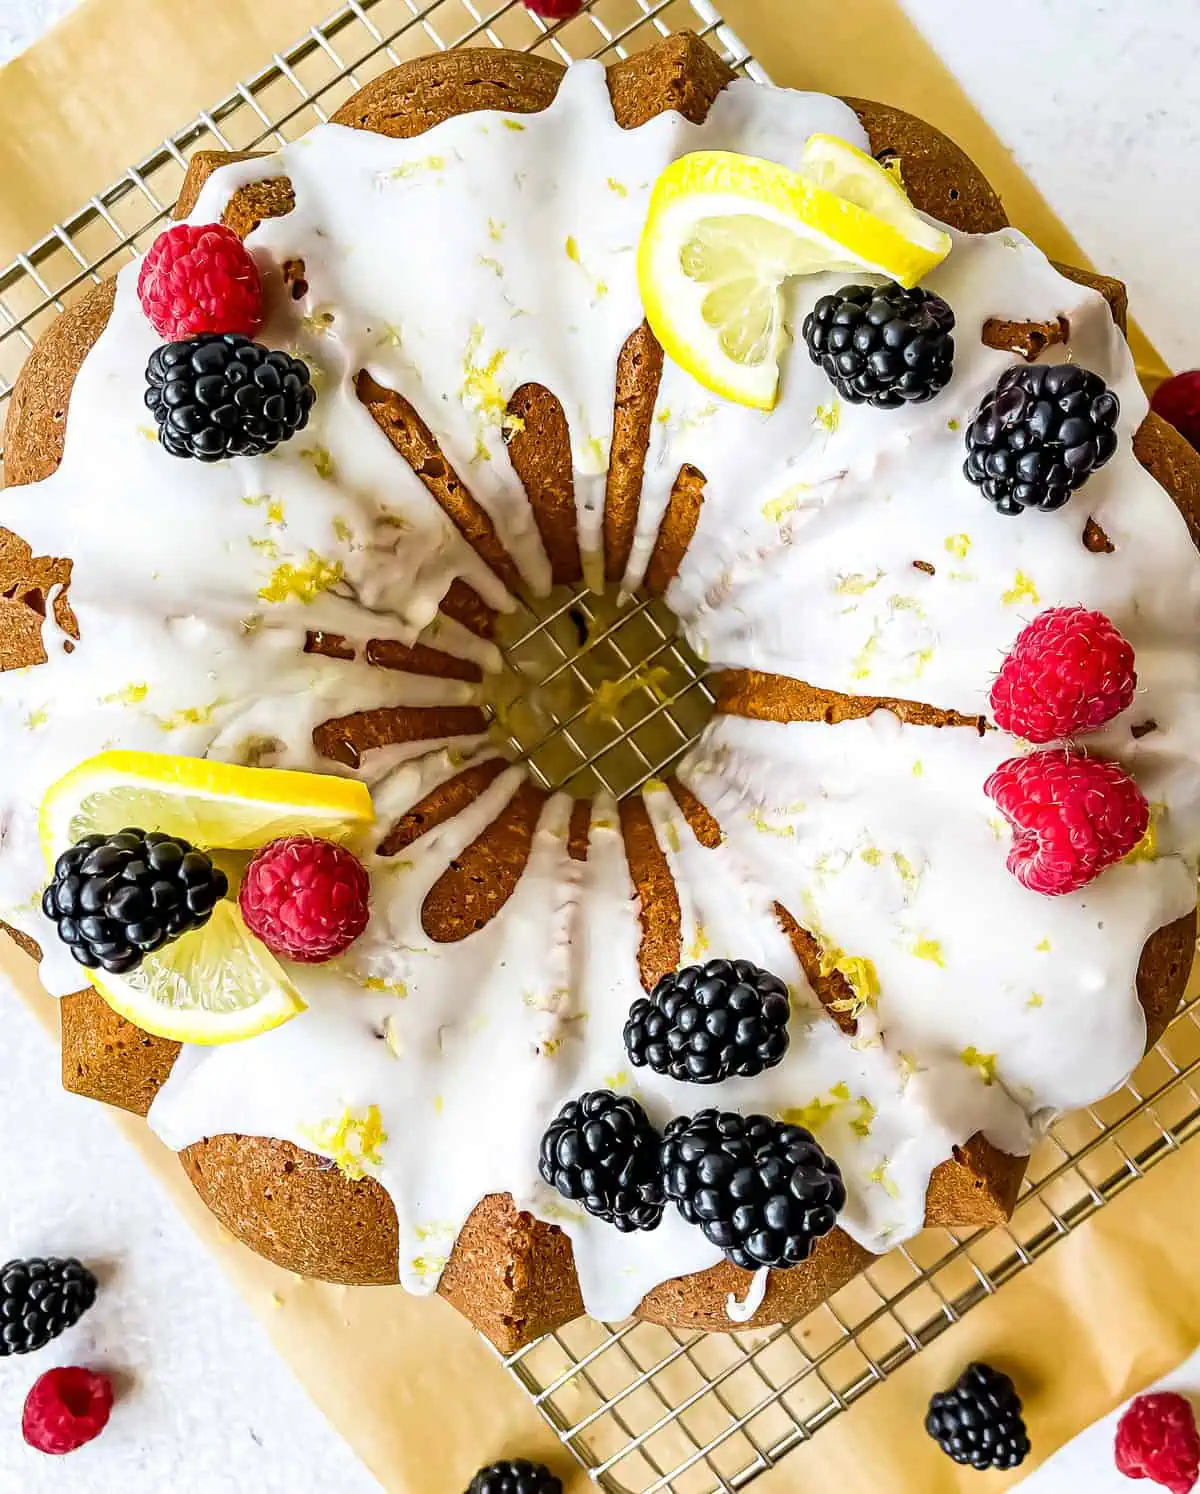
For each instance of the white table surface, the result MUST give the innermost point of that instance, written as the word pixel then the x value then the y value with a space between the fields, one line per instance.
pixel 1099 101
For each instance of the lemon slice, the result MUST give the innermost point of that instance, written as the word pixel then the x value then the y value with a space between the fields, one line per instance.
pixel 214 805
pixel 723 232
pixel 217 984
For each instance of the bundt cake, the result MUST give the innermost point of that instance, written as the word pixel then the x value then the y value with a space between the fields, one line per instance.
pixel 453 257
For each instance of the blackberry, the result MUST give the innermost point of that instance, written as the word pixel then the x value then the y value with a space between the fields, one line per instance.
pixel 116 897
pixel 709 1022
pixel 763 1191
pixel 602 1150
pixel 1039 435
pixel 39 1299
pixel 978 1420
pixel 882 345
pixel 515 1476
pixel 220 395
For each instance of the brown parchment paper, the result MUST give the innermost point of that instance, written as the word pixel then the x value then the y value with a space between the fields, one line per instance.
pixel 409 1384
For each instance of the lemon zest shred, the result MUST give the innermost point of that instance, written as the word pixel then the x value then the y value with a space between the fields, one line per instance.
pixel 699 946
pixel 958 544
pixel 429 1265
pixel 189 716
pixel 132 694
pixel 481 382
pixel 856 583
pixel 879 1174
pixel 923 948
pixel 983 1063
pixel 1147 848
pixel 321 461
pixel 829 416
pixel 609 695
pixel 861 1123
pixel 863 659
pixel 303 583
pixel 764 826
pixel 353 1141
pixel 816 1113
pixel 392 987
pixel 416 168
pixel 1022 590
pixel 775 510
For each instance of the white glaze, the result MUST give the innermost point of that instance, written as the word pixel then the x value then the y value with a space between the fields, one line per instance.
pixel 742 1311
pixel 432 256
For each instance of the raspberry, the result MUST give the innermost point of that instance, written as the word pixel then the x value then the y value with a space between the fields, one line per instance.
pixel 306 899
pixel 65 1409
pixel 1069 671
pixel 554 10
pixel 1156 1439
pixel 1177 401
pixel 1074 817
pixel 200 279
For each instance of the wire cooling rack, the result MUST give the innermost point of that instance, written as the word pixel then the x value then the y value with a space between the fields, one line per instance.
pixel 604 697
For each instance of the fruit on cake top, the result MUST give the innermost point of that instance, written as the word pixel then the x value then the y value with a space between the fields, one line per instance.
pixel 949 792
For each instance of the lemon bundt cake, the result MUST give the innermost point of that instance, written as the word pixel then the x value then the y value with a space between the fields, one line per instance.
pixel 454 259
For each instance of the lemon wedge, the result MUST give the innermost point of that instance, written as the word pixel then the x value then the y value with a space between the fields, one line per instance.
pixel 217 984
pixel 723 232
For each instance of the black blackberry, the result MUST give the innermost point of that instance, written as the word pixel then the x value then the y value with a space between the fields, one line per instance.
pixel 116 897
pixel 978 1420
pixel 708 1022
pixel 515 1476
pixel 220 395
pixel 39 1299
pixel 602 1150
pixel 1040 434
pixel 763 1191
pixel 882 345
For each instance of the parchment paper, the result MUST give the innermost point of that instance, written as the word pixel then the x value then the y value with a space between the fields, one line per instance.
pixel 409 1384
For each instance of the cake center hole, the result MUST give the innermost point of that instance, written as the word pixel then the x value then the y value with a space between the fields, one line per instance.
pixel 593 695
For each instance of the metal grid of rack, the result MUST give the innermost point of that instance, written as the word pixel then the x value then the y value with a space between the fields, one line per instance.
pixel 643 1408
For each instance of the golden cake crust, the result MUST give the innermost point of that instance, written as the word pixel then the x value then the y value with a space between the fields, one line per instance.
pixel 511 1274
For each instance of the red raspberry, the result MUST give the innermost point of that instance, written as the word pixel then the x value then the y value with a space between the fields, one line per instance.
pixel 200 279
pixel 1069 671
pixel 1156 1439
pixel 554 10
pixel 306 899
pixel 1074 817
pixel 65 1409
pixel 1177 401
